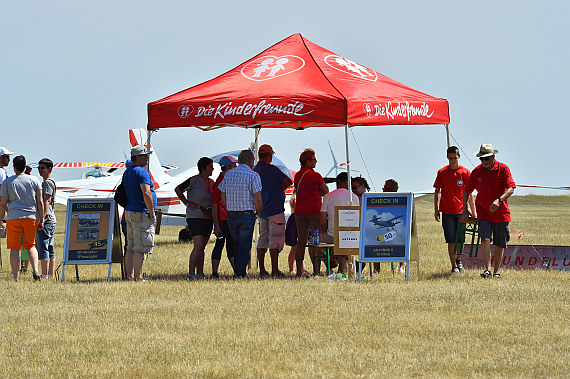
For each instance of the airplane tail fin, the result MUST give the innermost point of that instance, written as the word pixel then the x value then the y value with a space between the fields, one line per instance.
pixel 157 173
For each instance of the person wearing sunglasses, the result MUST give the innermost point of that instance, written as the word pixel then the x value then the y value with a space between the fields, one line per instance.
pixel 44 237
pixel 4 161
pixel 310 187
pixel 494 184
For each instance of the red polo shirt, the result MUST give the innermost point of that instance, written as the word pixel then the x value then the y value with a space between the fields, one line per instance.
pixel 490 185
pixel 451 183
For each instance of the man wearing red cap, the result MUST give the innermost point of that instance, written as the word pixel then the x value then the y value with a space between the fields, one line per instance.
pixel 272 217
pixel 494 184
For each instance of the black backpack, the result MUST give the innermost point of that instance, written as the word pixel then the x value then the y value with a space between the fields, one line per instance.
pixel 121 195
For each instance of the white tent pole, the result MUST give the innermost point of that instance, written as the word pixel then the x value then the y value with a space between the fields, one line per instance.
pixel 149 133
pixel 447 131
pixel 256 229
pixel 348 165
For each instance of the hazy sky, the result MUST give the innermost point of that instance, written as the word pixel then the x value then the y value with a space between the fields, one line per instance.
pixel 76 75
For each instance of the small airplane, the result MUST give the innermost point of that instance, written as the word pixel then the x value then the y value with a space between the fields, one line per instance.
pixel 168 203
pixel 104 186
pixel 385 223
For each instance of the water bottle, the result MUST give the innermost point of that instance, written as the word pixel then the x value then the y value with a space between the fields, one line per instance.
pixel 316 236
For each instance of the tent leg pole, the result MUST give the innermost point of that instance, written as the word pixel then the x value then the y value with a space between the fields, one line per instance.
pixel 256 229
pixel 149 133
pixel 348 165
pixel 447 132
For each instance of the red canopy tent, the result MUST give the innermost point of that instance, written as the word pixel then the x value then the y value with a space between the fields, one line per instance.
pixel 297 84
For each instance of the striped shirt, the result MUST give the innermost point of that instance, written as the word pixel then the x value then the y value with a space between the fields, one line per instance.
pixel 239 185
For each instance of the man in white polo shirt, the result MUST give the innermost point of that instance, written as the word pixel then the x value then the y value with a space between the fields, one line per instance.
pixel 338 197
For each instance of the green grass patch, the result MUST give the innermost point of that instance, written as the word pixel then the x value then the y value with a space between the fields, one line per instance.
pixel 435 325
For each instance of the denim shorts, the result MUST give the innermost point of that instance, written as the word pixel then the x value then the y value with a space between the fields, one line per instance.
pixel 44 241
pixel 496 232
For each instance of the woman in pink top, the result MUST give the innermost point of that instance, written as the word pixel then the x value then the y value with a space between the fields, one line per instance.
pixel 310 188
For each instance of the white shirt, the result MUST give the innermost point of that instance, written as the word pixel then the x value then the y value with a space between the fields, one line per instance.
pixel 338 197
pixel 2 175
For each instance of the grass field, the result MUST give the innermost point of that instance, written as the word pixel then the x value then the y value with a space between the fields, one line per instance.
pixel 435 325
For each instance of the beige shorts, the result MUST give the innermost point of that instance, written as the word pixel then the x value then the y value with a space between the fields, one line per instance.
pixel 272 232
pixel 140 232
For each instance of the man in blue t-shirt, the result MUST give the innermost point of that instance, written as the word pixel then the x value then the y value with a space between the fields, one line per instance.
pixel 272 218
pixel 139 212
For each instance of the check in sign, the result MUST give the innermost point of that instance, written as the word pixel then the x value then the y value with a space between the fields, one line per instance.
pixel 89 231
pixel 386 224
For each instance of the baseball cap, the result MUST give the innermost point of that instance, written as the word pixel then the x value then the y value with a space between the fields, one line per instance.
pixel 227 160
pixel 138 150
pixel 266 149
pixel 4 151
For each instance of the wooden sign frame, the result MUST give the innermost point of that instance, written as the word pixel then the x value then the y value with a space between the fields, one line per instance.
pixel 346 229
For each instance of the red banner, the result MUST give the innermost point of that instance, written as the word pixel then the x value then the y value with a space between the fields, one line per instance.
pixel 524 257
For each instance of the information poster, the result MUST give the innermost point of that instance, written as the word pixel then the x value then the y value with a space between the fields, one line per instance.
pixel 89 231
pixel 386 225
pixel 346 230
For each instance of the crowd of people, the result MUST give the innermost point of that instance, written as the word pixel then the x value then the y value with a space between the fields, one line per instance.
pixel 245 192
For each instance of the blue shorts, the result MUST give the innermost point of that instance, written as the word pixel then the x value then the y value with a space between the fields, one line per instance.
pixel 44 241
pixel 496 232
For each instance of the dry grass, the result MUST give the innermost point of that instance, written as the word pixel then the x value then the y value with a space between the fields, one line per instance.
pixel 435 326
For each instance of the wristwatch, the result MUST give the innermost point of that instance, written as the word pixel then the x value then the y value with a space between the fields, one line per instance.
pixel 500 200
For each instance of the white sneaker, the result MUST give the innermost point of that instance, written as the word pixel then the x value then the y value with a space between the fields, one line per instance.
pixel 401 270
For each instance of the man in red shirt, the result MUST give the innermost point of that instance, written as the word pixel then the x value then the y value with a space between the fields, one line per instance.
pixel 494 184
pixel 449 183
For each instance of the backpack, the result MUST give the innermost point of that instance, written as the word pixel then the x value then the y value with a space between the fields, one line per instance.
pixel 121 195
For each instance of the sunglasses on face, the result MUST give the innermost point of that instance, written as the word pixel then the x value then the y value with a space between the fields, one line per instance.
pixel 483 159
pixel 42 168
pixel 355 187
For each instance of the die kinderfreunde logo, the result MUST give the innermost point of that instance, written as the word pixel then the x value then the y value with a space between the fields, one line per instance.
pixel 185 110
pixel 352 68
pixel 271 67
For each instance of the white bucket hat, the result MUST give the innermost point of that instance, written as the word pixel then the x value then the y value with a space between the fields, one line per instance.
pixel 486 150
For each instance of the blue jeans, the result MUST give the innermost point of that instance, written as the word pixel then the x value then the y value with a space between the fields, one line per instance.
pixel 241 227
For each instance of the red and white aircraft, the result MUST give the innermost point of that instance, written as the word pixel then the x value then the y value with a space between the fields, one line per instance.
pixel 103 186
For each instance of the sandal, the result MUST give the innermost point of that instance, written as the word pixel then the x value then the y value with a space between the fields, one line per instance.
pixel 486 274
pixel 497 275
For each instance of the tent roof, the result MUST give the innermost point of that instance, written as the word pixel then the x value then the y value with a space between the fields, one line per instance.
pixel 297 84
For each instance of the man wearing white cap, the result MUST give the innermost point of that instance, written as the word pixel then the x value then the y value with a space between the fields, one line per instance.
pixel 494 184
pixel 139 212
pixel 4 161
